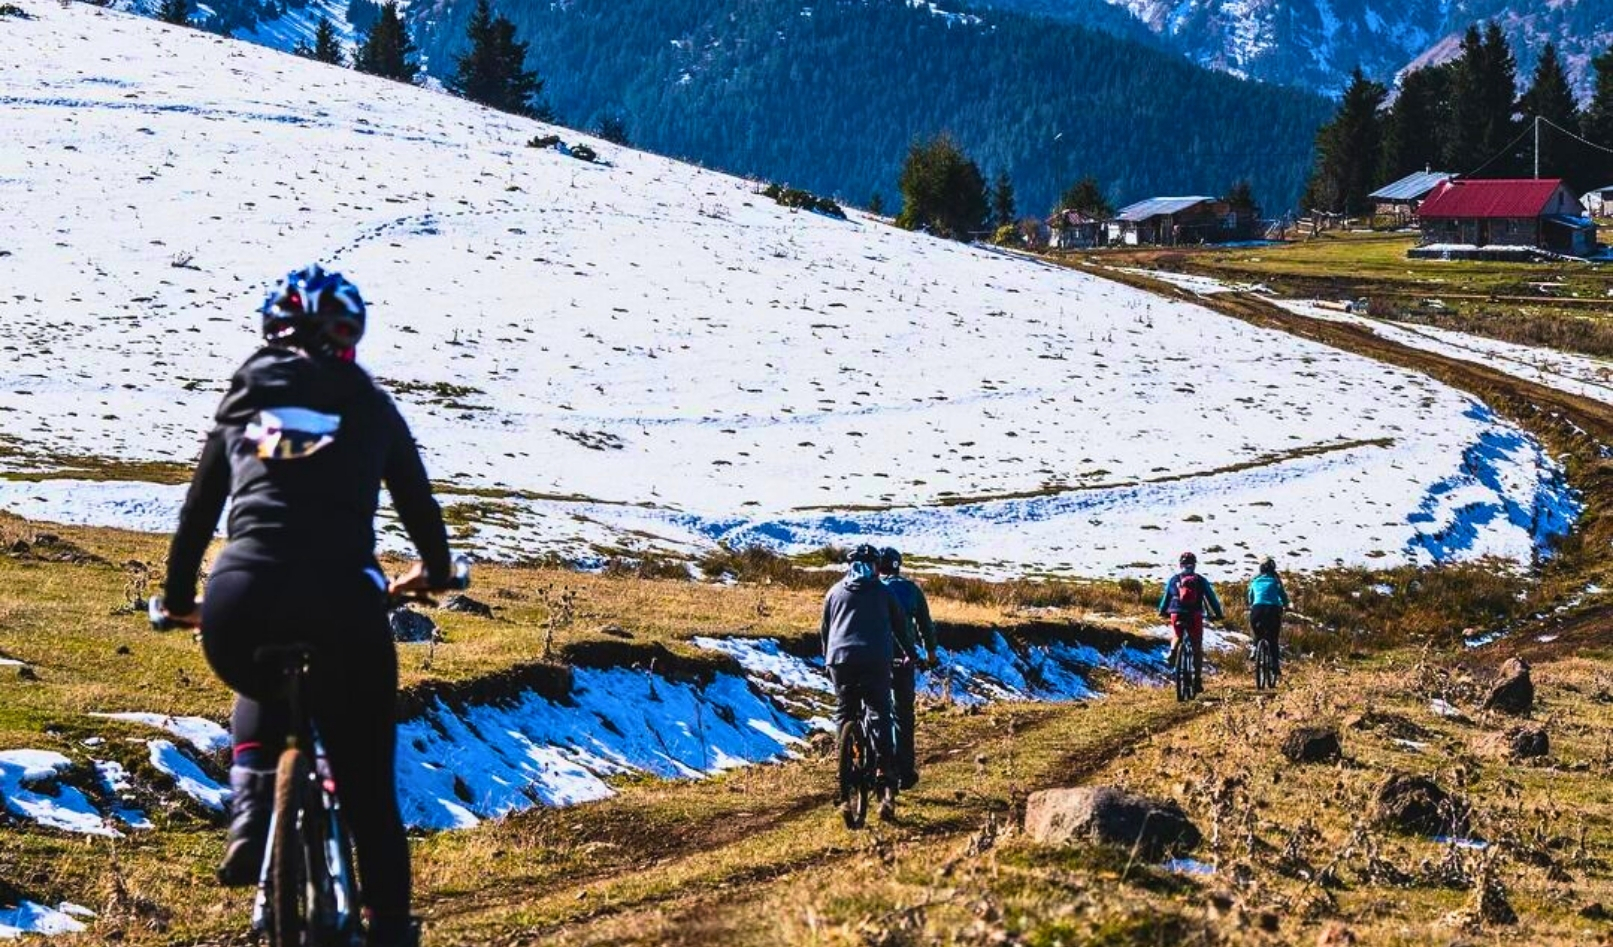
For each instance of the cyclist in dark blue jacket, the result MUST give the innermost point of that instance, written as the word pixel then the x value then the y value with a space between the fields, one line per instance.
pixel 303 441
pixel 859 632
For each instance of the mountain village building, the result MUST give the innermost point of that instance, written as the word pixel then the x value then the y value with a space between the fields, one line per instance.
pixel 1503 218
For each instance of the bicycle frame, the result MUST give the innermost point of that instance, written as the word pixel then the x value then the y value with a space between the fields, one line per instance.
pixel 336 850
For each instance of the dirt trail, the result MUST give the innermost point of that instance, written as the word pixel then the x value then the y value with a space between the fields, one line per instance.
pixel 702 882
pixel 723 905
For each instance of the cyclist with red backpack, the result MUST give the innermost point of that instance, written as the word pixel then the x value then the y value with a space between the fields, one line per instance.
pixel 1187 596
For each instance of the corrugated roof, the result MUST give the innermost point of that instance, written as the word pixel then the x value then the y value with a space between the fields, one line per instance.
pixel 1411 187
pixel 1498 197
pixel 1157 206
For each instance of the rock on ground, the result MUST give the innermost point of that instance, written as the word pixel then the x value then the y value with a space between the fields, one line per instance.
pixel 1417 805
pixel 467 605
pixel 1519 743
pixel 411 627
pixel 1312 745
pixel 1513 691
pixel 1112 816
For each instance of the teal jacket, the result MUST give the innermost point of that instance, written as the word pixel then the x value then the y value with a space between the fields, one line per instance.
pixel 911 598
pixel 1267 590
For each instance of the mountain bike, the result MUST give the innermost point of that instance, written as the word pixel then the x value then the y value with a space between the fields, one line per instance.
pixel 1265 667
pixel 1182 669
pixel 859 775
pixel 308 892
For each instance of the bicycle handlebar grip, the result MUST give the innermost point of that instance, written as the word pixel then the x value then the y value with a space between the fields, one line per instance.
pixel 157 615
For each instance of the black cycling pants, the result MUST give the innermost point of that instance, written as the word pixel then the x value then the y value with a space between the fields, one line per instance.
pixel 864 691
pixel 1266 621
pixel 903 684
pixel 352 699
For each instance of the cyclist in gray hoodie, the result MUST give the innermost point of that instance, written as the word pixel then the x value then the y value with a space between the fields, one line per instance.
pixel 860 634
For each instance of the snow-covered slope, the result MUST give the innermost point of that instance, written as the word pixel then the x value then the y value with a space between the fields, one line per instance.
pixel 648 355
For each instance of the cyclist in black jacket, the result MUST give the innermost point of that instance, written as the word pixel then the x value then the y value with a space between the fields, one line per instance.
pixel 303 441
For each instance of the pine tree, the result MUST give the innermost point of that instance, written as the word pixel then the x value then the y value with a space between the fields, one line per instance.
pixel 176 12
pixel 1484 83
pixel 493 69
pixel 1348 152
pixel 613 128
pixel 1241 198
pixel 876 204
pixel 1596 122
pixel 1086 197
pixel 1002 201
pixel 943 191
pixel 327 45
pixel 1550 98
pixel 386 49
pixel 1417 127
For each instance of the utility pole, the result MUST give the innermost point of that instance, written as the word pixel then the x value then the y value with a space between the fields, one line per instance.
pixel 1537 147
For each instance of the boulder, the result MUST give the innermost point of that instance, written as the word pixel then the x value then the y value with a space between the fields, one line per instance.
pixel 1418 806
pixel 1312 745
pixel 1112 816
pixel 467 605
pixel 411 627
pixel 1513 692
pixel 1528 742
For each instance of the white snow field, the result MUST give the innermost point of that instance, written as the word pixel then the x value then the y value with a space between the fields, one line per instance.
pixel 650 356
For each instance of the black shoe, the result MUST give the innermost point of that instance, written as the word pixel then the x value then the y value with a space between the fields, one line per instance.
pixel 408 936
pixel 251 803
pixel 1198 686
pixel 910 779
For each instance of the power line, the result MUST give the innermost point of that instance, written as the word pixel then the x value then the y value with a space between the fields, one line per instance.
pixel 1506 149
pixel 1573 135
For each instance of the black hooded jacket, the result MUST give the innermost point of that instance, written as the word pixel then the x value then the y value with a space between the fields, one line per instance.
pixel 301 447
pixel 861 622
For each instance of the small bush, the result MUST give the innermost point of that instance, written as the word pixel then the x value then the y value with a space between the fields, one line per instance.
pixel 805 200
pixel 12 10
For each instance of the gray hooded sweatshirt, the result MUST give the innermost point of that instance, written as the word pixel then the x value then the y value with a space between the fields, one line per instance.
pixel 860 621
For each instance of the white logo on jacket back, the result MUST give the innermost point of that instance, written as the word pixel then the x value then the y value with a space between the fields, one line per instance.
pixel 292 433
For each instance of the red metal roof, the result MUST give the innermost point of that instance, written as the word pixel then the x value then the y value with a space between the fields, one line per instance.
pixel 1496 197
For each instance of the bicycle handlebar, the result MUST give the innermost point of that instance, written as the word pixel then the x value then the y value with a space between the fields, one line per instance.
pixel 157 613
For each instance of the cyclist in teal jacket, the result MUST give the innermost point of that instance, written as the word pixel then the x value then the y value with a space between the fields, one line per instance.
pixel 1267 599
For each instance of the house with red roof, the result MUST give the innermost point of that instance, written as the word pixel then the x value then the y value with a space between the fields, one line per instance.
pixel 1504 215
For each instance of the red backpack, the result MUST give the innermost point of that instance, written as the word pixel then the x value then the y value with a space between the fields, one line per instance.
pixel 1190 592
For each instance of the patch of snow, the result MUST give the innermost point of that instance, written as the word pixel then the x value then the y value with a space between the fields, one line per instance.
pixel 199 732
pixel 1441 707
pixel 459 766
pixel 770 666
pixel 1416 746
pixel 187 776
pixel 31 790
pixel 31 918
pixel 115 781
pixel 1472 844
pixel 1188 866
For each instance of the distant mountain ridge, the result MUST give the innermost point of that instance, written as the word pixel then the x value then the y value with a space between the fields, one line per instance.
pixel 1314 44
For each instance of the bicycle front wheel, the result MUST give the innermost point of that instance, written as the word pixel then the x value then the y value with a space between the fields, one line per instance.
pixel 288 871
pixel 1184 669
pixel 856 765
